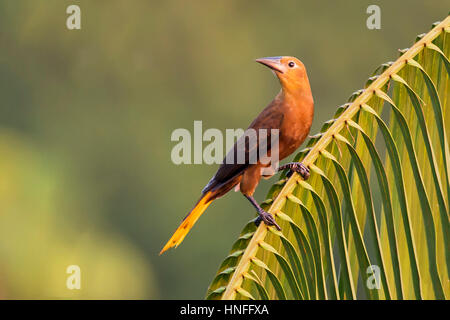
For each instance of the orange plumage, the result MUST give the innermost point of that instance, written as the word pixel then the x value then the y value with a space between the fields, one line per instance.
pixel 291 111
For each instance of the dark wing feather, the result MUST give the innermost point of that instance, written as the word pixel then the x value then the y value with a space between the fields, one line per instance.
pixel 270 118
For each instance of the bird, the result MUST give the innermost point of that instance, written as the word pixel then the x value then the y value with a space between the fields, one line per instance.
pixel 291 112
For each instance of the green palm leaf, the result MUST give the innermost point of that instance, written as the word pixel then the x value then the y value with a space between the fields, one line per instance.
pixel 372 222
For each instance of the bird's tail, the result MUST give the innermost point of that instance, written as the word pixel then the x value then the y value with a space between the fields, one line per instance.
pixel 188 222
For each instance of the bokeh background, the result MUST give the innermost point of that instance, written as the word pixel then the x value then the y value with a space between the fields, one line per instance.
pixel 86 118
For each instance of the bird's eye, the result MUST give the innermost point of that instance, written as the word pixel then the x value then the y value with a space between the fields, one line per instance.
pixel 291 64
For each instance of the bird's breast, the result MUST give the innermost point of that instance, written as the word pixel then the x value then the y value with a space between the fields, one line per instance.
pixel 294 130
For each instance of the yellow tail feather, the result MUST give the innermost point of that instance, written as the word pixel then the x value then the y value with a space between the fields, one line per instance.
pixel 187 223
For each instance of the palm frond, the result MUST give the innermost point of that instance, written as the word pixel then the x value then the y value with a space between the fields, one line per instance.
pixel 375 209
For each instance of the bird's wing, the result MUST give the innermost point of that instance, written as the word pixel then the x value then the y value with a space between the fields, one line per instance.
pixel 233 165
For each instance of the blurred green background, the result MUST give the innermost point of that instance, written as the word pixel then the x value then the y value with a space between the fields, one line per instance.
pixel 86 118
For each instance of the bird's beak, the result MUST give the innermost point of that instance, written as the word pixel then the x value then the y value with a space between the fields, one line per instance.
pixel 273 63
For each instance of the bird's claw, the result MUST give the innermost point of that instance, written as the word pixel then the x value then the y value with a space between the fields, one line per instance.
pixel 268 219
pixel 298 167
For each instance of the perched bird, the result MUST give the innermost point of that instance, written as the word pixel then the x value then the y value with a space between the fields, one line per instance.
pixel 291 112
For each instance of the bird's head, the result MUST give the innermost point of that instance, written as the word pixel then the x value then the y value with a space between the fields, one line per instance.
pixel 290 71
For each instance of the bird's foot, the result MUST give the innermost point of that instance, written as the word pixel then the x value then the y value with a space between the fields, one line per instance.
pixel 268 219
pixel 298 167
